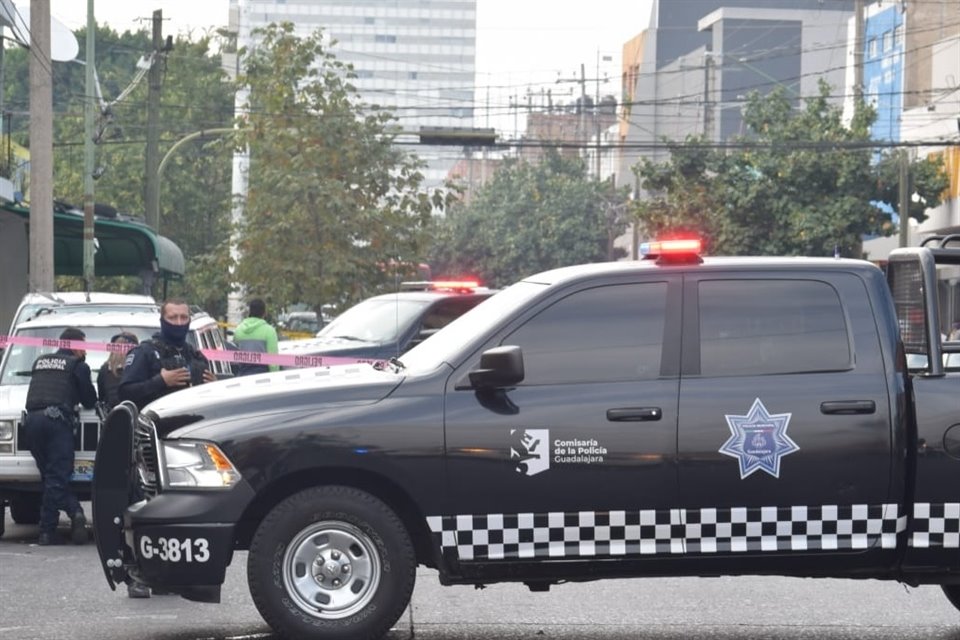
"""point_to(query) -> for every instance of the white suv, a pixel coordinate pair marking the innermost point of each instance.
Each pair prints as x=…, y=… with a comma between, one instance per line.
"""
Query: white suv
x=19, y=477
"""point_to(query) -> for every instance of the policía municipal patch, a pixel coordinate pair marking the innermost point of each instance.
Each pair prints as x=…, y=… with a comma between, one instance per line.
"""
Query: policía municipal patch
x=759, y=440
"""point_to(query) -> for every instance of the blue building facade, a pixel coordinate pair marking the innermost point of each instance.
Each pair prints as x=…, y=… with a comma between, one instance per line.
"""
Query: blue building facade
x=883, y=56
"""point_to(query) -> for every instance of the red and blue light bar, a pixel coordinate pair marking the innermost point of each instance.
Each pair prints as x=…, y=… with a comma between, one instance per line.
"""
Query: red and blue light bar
x=677, y=250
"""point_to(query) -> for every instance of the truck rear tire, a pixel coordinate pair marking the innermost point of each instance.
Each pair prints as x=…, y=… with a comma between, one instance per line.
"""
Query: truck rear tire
x=3, y=518
x=952, y=592
x=331, y=563
x=25, y=508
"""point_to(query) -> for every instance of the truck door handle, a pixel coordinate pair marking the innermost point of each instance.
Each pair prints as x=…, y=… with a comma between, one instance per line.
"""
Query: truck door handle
x=634, y=414
x=847, y=407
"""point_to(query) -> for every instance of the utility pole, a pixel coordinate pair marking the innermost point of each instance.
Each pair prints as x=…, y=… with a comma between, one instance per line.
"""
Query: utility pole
x=707, y=92
x=241, y=166
x=583, y=104
x=151, y=196
x=904, y=207
x=596, y=114
x=89, y=161
x=41, y=149
x=858, y=51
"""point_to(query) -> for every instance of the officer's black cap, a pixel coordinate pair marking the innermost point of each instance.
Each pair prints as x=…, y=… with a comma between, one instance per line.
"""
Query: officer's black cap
x=72, y=333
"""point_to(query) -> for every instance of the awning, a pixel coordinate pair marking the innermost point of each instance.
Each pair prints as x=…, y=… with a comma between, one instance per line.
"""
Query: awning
x=124, y=246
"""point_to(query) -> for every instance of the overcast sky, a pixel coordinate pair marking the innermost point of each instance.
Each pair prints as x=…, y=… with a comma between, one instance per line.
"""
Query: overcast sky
x=521, y=44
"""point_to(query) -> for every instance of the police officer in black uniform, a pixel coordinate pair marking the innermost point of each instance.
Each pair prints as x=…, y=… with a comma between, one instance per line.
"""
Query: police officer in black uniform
x=59, y=381
x=162, y=365
x=165, y=363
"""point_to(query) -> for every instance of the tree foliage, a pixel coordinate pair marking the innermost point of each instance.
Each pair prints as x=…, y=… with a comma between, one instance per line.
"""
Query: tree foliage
x=195, y=187
x=807, y=185
x=332, y=204
x=928, y=181
x=530, y=217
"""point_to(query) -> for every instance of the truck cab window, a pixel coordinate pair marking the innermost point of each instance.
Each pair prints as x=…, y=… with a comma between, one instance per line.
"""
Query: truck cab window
x=763, y=327
x=603, y=334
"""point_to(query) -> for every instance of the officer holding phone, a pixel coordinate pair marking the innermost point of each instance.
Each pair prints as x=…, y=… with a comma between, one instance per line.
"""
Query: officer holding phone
x=165, y=363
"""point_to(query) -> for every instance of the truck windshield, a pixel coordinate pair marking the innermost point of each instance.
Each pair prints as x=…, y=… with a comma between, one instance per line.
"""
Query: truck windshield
x=375, y=320
x=18, y=360
x=463, y=334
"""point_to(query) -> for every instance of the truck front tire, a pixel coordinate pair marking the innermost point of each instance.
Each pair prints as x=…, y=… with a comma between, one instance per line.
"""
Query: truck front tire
x=952, y=592
x=332, y=563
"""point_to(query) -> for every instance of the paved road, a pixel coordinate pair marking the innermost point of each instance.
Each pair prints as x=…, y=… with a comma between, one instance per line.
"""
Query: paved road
x=51, y=593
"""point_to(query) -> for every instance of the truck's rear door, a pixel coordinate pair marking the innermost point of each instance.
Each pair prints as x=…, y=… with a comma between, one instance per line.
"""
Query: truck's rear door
x=784, y=434
x=924, y=287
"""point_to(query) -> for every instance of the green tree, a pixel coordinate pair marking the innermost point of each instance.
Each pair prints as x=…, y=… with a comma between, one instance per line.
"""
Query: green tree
x=802, y=184
x=195, y=190
x=530, y=217
x=928, y=180
x=333, y=205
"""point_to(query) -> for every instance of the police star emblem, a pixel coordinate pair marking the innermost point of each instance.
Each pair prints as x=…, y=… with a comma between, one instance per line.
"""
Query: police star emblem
x=759, y=440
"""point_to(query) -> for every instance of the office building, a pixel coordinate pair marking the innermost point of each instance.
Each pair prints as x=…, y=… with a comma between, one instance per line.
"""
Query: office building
x=415, y=58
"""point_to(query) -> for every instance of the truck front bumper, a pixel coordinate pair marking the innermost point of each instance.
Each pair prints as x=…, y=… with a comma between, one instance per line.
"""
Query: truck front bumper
x=183, y=542
x=177, y=540
x=166, y=543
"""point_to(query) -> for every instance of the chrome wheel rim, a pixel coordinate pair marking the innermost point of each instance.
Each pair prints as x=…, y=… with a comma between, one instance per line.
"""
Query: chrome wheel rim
x=331, y=570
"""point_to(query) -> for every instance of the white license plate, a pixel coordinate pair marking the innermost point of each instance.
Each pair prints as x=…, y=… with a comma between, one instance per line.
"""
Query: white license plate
x=82, y=470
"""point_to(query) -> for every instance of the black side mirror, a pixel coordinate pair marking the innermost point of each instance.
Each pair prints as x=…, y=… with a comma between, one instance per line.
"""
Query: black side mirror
x=500, y=367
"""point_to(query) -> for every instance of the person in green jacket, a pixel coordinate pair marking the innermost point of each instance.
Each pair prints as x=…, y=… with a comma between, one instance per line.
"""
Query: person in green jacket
x=255, y=334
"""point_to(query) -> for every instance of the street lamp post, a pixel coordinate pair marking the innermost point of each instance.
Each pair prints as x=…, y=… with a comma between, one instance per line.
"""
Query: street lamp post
x=203, y=133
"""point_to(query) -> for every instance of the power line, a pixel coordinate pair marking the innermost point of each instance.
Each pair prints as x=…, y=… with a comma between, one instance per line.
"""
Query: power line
x=786, y=146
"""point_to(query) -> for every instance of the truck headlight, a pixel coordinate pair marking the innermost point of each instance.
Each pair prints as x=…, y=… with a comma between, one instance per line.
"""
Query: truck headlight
x=192, y=463
x=6, y=430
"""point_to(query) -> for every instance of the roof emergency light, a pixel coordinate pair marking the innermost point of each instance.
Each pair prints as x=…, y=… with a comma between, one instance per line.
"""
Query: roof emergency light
x=673, y=251
x=455, y=285
x=460, y=286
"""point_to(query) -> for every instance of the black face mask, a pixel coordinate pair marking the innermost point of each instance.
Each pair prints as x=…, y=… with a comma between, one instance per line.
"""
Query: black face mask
x=175, y=334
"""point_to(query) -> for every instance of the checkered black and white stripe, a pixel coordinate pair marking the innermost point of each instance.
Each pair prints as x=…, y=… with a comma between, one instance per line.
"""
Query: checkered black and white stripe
x=936, y=525
x=673, y=531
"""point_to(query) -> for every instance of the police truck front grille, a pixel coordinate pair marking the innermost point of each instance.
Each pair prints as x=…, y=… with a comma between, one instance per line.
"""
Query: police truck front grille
x=145, y=461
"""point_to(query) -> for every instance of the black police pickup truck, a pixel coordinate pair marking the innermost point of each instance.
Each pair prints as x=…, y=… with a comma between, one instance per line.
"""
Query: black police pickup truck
x=677, y=415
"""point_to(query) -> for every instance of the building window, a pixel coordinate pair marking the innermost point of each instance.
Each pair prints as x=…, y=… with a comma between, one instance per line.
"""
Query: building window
x=380, y=37
x=887, y=41
x=898, y=36
x=872, y=48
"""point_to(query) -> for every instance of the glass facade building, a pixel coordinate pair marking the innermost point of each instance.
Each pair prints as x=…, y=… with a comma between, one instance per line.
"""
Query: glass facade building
x=416, y=58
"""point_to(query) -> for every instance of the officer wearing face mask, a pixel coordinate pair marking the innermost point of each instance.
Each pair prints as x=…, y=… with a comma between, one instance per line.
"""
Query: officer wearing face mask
x=165, y=363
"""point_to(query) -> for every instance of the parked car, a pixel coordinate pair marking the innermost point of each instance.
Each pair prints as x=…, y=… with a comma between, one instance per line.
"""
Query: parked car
x=388, y=325
x=19, y=478
x=300, y=322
